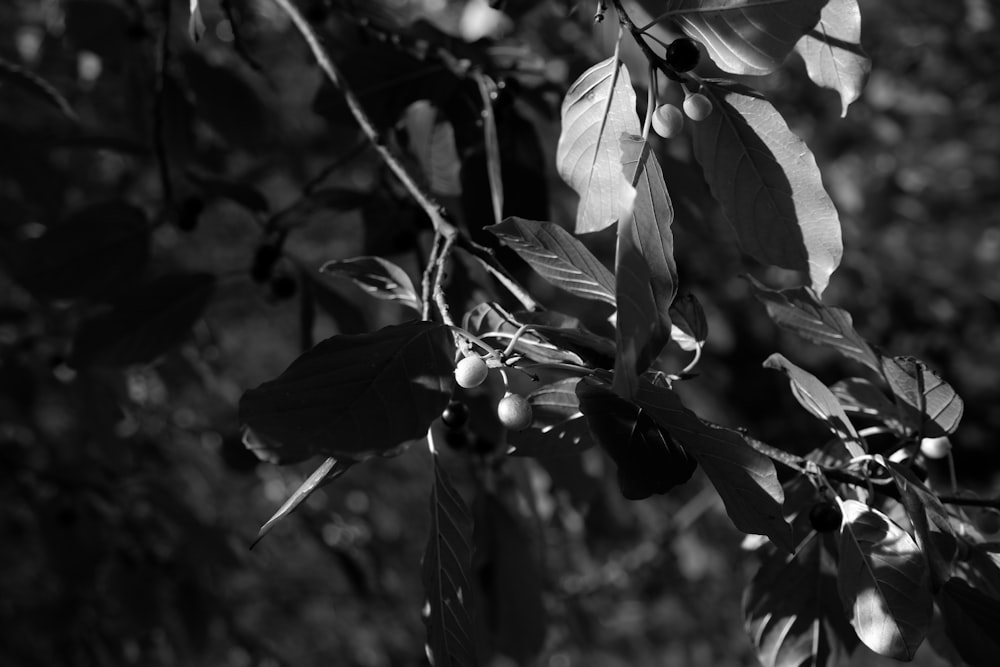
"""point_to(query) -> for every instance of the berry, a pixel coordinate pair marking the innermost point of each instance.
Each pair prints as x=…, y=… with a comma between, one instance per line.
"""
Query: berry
x=263, y=262
x=697, y=107
x=514, y=412
x=668, y=121
x=456, y=415
x=825, y=516
x=682, y=55
x=935, y=448
x=471, y=372
x=283, y=286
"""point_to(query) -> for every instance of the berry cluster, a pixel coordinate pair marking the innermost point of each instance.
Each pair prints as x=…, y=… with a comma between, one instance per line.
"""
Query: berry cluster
x=513, y=410
x=682, y=55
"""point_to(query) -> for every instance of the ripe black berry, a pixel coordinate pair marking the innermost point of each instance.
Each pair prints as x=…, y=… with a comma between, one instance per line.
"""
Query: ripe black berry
x=456, y=415
x=283, y=286
x=263, y=262
x=825, y=516
x=682, y=55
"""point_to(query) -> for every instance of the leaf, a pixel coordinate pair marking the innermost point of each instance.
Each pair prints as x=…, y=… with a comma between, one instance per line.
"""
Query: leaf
x=558, y=428
x=644, y=268
x=96, y=252
x=589, y=157
x=227, y=102
x=742, y=36
x=649, y=461
x=445, y=566
x=432, y=141
x=833, y=54
x=799, y=310
x=883, y=582
x=144, y=324
x=815, y=397
x=196, y=24
x=328, y=471
x=379, y=277
x=37, y=86
x=971, y=620
x=689, y=329
x=349, y=318
x=864, y=398
x=935, y=407
x=558, y=257
x=352, y=397
x=488, y=319
x=745, y=479
x=767, y=182
x=925, y=511
x=792, y=610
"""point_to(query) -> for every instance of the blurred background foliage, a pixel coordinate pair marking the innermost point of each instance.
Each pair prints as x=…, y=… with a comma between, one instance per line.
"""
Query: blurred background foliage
x=127, y=500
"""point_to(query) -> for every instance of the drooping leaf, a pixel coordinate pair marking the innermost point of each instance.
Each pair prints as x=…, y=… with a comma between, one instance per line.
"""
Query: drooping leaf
x=862, y=397
x=445, y=568
x=35, y=85
x=196, y=24
x=145, y=323
x=767, y=182
x=649, y=460
x=883, y=582
x=589, y=156
x=377, y=276
x=227, y=102
x=932, y=405
x=800, y=311
x=926, y=514
x=689, y=329
x=817, y=398
x=792, y=610
x=96, y=252
x=352, y=397
x=558, y=428
x=558, y=257
x=833, y=54
x=745, y=479
x=645, y=271
x=971, y=620
x=742, y=36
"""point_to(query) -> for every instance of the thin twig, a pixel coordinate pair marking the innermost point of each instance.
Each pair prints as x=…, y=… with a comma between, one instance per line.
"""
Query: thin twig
x=427, y=283
x=439, y=296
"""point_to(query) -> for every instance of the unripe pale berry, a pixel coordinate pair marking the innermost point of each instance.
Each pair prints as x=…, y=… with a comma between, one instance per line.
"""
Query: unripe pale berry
x=668, y=121
x=935, y=448
x=471, y=372
x=514, y=412
x=697, y=107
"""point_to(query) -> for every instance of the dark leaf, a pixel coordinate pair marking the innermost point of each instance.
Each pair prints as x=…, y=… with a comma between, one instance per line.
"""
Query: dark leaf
x=143, y=324
x=432, y=140
x=934, y=407
x=98, y=26
x=558, y=428
x=349, y=318
x=378, y=277
x=745, y=479
x=35, y=85
x=598, y=110
x=644, y=268
x=649, y=461
x=799, y=310
x=926, y=514
x=971, y=620
x=352, y=397
x=767, y=182
x=445, y=567
x=833, y=54
x=227, y=102
x=558, y=257
x=689, y=329
x=883, y=582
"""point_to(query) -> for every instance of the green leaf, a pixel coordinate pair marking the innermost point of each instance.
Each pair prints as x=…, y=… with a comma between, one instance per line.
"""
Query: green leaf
x=35, y=85
x=558, y=257
x=689, y=329
x=446, y=563
x=833, y=54
x=589, y=157
x=745, y=479
x=800, y=311
x=933, y=406
x=792, y=610
x=142, y=325
x=817, y=398
x=649, y=461
x=742, y=36
x=352, y=397
x=883, y=582
x=971, y=620
x=378, y=277
x=558, y=428
x=768, y=184
x=644, y=268
x=861, y=396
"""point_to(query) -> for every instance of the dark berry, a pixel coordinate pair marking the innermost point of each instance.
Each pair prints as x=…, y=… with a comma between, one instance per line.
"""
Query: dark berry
x=283, y=286
x=456, y=415
x=825, y=516
x=263, y=262
x=683, y=55
x=188, y=213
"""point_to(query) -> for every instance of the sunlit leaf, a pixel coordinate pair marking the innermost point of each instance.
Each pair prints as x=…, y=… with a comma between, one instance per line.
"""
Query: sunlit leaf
x=768, y=184
x=933, y=406
x=558, y=257
x=862, y=397
x=883, y=582
x=689, y=329
x=445, y=567
x=833, y=54
x=558, y=428
x=589, y=156
x=352, y=397
x=644, y=268
x=971, y=620
x=378, y=277
x=196, y=24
